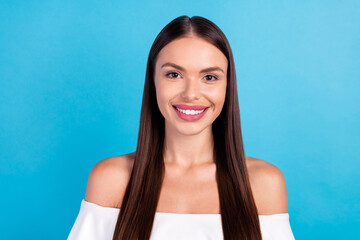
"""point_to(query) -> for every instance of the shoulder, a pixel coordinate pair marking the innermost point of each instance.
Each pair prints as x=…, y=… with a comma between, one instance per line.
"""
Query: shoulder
x=268, y=186
x=108, y=179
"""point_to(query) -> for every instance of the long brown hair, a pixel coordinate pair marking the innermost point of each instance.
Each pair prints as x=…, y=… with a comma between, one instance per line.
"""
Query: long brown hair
x=238, y=210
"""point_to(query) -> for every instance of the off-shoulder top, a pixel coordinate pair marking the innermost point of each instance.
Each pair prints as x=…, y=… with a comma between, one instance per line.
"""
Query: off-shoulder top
x=95, y=222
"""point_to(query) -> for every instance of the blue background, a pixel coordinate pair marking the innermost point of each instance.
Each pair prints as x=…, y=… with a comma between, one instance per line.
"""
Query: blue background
x=71, y=83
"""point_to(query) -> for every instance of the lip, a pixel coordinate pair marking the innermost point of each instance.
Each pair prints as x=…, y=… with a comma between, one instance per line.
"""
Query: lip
x=189, y=107
x=187, y=117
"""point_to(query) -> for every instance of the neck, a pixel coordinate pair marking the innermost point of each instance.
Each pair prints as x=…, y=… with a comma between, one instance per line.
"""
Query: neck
x=187, y=151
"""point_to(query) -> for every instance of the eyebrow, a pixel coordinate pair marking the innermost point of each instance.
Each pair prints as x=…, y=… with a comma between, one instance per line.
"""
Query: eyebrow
x=209, y=69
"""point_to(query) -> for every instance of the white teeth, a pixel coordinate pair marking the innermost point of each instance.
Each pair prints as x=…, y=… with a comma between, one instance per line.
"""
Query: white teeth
x=190, y=112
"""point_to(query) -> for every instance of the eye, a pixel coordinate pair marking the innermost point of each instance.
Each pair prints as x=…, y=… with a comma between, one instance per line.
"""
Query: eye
x=213, y=77
x=172, y=74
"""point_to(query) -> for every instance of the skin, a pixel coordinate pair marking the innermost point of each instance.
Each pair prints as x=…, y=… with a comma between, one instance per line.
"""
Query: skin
x=189, y=183
x=188, y=143
x=189, y=164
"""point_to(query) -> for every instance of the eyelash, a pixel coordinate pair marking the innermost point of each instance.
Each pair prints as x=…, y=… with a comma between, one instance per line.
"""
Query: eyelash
x=214, y=77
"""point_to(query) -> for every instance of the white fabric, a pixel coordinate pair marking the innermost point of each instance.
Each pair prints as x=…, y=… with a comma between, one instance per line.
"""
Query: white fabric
x=95, y=222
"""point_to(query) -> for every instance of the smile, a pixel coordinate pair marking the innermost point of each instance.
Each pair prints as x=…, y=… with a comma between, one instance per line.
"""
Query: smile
x=190, y=113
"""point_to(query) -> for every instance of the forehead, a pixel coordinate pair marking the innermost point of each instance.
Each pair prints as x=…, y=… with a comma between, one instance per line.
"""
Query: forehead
x=192, y=53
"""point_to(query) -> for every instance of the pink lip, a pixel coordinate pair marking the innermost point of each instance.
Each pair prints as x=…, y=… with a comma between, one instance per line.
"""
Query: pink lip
x=187, y=117
x=188, y=107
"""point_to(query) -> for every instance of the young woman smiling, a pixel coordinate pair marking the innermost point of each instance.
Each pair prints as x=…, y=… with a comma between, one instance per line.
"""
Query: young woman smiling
x=189, y=177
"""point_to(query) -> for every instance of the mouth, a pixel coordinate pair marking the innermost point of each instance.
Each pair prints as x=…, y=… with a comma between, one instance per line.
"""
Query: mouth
x=190, y=113
x=190, y=110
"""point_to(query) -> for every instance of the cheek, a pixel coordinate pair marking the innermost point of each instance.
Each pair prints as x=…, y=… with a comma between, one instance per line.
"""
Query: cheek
x=218, y=99
x=222, y=92
x=217, y=96
x=164, y=94
x=220, y=103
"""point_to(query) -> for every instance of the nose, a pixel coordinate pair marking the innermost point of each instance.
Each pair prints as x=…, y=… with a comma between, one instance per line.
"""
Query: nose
x=191, y=90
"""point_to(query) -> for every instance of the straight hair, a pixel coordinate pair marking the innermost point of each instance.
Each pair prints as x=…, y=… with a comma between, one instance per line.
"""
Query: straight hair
x=239, y=214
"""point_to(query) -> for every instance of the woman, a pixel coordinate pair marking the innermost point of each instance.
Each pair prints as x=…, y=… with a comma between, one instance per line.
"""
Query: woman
x=189, y=177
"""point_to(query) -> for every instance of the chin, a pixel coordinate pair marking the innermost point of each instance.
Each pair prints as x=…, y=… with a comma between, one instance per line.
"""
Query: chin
x=190, y=130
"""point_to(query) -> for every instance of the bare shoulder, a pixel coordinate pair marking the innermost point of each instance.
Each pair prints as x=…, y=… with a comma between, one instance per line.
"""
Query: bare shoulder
x=108, y=179
x=268, y=186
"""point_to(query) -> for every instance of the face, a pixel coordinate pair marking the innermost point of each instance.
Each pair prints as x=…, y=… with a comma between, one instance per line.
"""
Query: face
x=190, y=81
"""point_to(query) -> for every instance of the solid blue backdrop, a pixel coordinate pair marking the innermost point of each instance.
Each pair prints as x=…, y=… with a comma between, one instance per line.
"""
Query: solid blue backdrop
x=72, y=75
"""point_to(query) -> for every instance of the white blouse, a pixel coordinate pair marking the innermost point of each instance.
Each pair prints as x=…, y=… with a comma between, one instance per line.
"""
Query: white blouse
x=95, y=222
